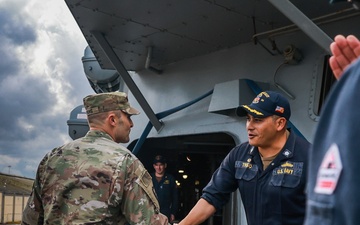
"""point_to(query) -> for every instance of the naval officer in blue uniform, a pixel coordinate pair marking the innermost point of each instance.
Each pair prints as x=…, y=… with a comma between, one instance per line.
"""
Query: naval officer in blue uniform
x=269, y=170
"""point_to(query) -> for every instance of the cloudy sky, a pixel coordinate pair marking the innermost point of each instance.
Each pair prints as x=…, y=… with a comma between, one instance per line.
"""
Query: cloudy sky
x=41, y=80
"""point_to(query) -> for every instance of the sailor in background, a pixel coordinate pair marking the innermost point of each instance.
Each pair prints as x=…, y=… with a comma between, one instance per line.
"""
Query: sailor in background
x=165, y=188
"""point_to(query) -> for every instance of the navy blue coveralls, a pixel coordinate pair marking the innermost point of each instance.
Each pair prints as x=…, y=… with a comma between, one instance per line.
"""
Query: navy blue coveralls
x=167, y=194
x=333, y=191
x=272, y=196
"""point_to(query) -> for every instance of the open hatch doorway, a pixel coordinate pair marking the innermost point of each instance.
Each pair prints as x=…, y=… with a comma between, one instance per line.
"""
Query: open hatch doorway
x=191, y=159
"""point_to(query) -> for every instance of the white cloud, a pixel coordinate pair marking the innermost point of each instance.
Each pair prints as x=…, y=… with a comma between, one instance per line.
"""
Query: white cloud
x=41, y=79
x=6, y=161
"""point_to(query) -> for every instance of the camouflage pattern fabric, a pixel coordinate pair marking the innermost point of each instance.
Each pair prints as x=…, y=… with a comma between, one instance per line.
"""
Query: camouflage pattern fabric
x=92, y=180
x=105, y=102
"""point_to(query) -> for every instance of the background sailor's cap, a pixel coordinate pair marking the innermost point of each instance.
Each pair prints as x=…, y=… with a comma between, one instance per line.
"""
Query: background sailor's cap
x=160, y=159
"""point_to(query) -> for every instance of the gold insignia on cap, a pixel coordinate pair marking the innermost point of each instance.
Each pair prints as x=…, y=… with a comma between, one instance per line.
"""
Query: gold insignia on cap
x=253, y=110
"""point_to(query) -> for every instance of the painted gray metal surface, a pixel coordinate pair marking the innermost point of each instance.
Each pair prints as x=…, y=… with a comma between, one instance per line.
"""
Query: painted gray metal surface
x=103, y=43
x=178, y=30
x=306, y=25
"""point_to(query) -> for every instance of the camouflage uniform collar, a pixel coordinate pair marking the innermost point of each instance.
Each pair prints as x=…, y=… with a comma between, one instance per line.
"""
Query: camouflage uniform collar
x=98, y=134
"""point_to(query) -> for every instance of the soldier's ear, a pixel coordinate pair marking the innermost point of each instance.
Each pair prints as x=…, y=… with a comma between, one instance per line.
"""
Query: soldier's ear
x=111, y=118
x=165, y=165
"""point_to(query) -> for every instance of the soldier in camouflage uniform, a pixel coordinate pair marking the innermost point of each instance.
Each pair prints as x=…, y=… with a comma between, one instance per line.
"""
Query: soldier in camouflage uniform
x=94, y=180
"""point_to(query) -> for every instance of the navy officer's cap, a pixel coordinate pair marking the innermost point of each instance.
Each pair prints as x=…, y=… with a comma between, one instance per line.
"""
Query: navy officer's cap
x=265, y=104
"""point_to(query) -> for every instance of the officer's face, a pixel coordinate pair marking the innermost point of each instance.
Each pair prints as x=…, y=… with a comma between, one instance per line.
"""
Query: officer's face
x=261, y=131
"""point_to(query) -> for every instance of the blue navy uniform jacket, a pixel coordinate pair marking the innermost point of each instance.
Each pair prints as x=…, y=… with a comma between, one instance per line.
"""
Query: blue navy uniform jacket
x=334, y=180
x=271, y=197
x=167, y=194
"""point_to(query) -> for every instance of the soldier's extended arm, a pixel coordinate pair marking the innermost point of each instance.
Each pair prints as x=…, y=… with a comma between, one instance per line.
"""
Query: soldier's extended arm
x=139, y=203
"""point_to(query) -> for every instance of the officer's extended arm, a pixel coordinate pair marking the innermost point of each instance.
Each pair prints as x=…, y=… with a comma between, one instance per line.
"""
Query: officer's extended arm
x=199, y=213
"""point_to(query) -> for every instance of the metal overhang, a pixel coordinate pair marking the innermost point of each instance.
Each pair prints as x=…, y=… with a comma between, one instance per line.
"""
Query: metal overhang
x=121, y=33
